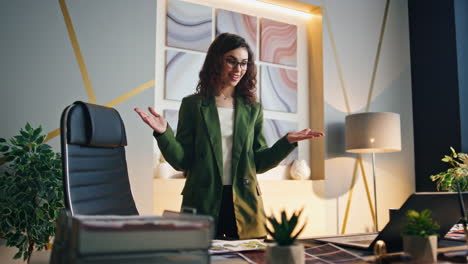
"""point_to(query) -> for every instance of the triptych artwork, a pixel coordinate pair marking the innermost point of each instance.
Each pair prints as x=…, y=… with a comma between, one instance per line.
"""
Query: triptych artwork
x=181, y=73
x=188, y=26
x=188, y=36
x=239, y=24
x=278, y=42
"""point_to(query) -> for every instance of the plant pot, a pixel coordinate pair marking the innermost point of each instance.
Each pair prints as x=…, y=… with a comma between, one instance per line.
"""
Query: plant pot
x=7, y=253
x=37, y=257
x=421, y=249
x=293, y=254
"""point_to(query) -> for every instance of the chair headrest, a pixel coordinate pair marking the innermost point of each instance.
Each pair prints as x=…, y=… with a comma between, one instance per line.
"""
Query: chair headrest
x=95, y=125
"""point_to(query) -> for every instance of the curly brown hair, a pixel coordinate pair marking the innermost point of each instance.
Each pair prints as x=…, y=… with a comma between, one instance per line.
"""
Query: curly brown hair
x=209, y=83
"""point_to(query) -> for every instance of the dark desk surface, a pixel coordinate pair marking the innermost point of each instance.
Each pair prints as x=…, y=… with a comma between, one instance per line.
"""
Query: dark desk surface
x=449, y=252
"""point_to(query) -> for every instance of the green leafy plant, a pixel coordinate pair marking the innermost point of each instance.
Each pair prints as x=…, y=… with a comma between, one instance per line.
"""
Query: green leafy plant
x=420, y=224
x=283, y=229
x=31, y=192
x=447, y=180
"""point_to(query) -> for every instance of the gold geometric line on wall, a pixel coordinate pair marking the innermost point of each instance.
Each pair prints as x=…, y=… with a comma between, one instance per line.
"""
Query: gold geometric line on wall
x=77, y=51
x=52, y=134
x=337, y=59
x=112, y=103
x=371, y=88
x=130, y=94
x=377, y=56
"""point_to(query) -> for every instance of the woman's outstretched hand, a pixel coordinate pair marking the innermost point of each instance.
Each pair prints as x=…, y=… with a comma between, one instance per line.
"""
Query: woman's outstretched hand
x=155, y=120
x=296, y=136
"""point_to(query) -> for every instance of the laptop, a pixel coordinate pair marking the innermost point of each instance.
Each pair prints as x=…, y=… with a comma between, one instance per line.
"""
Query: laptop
x=445, y=209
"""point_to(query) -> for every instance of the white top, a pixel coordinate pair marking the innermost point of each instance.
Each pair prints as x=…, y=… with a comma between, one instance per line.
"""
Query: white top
x=226, y=121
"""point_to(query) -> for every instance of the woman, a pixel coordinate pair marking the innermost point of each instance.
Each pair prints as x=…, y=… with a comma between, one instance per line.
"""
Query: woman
x=220, y=143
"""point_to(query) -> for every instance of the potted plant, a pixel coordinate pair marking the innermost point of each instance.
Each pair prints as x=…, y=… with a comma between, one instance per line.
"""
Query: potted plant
x=420, y=236
x=284, y=234
x=31, y=191
x=447, y=180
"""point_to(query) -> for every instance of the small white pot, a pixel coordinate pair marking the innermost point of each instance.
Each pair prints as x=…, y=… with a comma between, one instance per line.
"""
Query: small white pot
x=421, y=249
x=293, y=254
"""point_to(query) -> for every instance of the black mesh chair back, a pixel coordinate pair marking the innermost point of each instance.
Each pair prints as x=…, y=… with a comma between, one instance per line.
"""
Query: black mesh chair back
x=95, y=173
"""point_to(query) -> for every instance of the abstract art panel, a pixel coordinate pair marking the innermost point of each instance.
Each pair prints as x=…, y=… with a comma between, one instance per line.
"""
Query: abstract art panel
x=276, y=129
x=181, y=74
x=279, y=89
x=189, y=25
x=172, y=117
x=278, y=42
x=240, y=24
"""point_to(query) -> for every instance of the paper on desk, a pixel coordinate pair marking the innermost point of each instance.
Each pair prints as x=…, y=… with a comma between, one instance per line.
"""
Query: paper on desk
x=224, y=246
x=456, y=233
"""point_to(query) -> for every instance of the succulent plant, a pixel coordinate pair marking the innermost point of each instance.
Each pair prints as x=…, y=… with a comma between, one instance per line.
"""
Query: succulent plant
x=420, y=224
x=283, y=229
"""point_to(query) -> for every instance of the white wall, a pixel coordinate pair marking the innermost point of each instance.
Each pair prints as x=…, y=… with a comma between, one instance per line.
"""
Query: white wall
x=355, y=27
x=39, y=76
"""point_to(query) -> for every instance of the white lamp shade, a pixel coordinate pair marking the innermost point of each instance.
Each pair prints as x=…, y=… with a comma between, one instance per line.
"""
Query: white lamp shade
x=373, y=132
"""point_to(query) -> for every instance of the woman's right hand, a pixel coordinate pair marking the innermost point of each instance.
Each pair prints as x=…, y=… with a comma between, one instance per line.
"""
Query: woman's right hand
x=155, y=120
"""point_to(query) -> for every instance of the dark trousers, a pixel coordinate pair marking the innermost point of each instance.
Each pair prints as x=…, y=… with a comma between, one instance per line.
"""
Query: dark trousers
x=227, y=228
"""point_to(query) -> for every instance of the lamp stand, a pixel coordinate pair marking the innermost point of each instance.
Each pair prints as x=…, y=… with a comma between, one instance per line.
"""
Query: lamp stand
x=375, y=194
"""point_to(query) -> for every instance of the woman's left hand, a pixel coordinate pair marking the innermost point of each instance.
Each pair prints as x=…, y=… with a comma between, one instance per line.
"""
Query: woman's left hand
x=307, y=133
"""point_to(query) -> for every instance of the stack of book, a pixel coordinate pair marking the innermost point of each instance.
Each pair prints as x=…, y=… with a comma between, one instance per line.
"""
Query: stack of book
x=132, y=239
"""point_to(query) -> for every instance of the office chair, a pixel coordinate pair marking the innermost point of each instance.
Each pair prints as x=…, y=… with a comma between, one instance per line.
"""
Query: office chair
x=95, y=173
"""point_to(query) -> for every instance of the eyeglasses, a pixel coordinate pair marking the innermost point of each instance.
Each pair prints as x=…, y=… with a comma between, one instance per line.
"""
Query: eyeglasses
x=233, y=63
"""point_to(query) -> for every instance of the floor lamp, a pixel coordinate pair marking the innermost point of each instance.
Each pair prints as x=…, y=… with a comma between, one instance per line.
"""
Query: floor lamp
x=373, y=132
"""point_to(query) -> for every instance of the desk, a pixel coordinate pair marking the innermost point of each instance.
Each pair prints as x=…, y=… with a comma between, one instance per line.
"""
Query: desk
x=445, y=246
x=42, y=257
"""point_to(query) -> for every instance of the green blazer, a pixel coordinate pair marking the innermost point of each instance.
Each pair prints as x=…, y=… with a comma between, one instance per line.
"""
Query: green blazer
x=197, y=150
